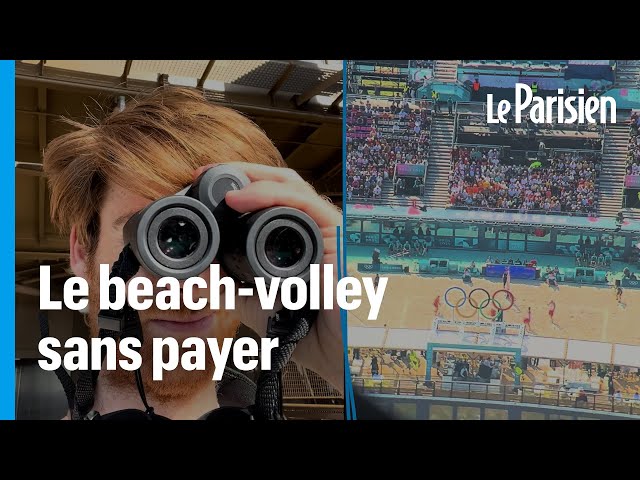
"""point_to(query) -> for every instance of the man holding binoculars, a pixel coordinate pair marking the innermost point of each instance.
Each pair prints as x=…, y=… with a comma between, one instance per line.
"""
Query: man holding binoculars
x=137, y=179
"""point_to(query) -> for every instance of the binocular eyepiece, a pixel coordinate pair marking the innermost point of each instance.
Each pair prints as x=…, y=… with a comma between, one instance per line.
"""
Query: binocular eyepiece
x=182, y=234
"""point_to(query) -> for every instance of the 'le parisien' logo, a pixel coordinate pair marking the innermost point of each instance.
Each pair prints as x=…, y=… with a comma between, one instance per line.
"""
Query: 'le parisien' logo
x=570, y=109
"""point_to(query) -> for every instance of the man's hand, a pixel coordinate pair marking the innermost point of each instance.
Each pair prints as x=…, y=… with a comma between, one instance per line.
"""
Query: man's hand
x=321, y=350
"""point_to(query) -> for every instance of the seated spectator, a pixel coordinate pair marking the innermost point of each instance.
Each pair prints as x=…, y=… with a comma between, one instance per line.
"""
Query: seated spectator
x=481, y=179
x=379, y=135
x=581, y=398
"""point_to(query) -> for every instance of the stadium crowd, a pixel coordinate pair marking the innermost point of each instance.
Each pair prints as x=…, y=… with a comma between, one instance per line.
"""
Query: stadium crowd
x=480, y=178
x=633, y=157
x=378, y=137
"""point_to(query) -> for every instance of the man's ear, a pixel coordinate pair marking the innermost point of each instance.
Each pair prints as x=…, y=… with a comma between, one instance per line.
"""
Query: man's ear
x=77, y=255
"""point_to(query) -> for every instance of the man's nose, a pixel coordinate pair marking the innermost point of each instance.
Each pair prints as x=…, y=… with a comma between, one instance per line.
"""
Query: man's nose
x=161, y=284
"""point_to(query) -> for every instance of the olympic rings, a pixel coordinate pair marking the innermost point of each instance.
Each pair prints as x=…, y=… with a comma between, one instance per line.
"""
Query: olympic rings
x=498, y=308
x=457, y=309
x=471, y=302
x=509, y=294
x=490, y=299
x=464, y=298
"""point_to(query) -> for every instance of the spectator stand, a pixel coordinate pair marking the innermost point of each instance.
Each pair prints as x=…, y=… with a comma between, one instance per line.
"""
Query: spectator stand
x=503, y=180
x=380, y=133
x=632, y=165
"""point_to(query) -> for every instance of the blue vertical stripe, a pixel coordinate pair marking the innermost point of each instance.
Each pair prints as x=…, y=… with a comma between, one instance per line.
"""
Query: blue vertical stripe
x=343, y=317
x=7, y=268
x=349, y=400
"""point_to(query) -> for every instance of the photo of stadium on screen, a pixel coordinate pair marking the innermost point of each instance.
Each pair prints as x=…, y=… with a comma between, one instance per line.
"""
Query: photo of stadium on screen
x=512, y=249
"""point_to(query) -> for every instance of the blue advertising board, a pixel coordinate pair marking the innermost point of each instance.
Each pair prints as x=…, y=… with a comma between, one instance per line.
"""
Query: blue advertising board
x=629, y=283
x=517, y=271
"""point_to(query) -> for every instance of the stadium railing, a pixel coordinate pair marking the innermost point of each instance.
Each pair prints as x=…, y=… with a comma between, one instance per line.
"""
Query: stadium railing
x=353, y=97
x=528, y=212
x=536, y=395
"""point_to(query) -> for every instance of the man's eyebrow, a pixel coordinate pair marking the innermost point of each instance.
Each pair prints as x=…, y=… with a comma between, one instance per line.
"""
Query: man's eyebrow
x=122, y=219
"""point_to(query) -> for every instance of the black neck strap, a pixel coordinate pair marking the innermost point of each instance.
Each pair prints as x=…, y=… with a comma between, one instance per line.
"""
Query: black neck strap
x=289, y=327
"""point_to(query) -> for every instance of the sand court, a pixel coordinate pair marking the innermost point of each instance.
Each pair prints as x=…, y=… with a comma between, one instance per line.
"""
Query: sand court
x=582, y=312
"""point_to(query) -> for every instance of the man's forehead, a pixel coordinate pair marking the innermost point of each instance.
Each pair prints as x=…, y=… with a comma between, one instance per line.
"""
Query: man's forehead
x=120, y=203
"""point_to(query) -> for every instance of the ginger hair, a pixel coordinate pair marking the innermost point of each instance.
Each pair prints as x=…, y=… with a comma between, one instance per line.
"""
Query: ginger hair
x=151, y=147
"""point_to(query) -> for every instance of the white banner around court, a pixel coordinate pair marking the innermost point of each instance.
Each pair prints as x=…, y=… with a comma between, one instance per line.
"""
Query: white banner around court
x=626, y=355
x=585, y=351
x=407, y=338
x=543, y=347
x=366, y=336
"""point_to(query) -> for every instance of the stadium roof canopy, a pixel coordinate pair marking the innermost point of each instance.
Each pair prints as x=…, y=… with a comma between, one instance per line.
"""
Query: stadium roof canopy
x=298, y=103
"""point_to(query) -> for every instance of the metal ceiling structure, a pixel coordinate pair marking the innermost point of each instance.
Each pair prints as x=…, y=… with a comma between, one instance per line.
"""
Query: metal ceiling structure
x=298, y=103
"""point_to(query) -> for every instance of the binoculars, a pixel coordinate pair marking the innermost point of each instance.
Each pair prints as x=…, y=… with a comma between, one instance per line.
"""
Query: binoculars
x=181, y=235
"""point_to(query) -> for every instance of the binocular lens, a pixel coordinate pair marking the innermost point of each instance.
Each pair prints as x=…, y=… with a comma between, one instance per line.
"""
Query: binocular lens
x=175, y=236
x=181, y=235
x=284, y=247
x=178, y=237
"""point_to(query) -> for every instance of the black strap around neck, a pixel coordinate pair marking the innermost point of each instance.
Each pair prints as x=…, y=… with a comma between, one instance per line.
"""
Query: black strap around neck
x=113, y=324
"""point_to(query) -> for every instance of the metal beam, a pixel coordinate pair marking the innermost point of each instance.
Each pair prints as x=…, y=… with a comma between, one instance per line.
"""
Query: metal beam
x=25, y=143
x=24, y=254
x=55, y=276
x=37, y=167
x=304, y=97
x=206, y=73
x=334, y=105
x=302, y=144
x=42, y=143
x=281, y=80
x=331, y=171
x=125, y=73
x=94, y=84
x=33, y=292
x=29, y=173
x=30, y=271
